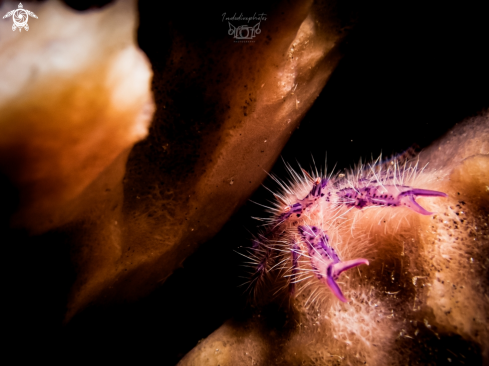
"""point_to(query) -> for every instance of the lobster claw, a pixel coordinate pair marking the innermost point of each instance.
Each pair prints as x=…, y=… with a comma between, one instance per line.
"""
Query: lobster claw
x=408, y=199
x=335, y=269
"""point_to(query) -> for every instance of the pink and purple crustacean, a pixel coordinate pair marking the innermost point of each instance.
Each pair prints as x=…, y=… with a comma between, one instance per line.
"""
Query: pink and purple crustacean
x=324, y=261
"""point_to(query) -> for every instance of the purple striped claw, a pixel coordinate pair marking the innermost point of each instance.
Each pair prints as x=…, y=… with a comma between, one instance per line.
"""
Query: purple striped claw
x=324, y=259
x=386, y=195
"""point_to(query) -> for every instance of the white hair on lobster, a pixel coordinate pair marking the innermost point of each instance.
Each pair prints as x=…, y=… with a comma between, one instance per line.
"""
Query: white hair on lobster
x=311, y=236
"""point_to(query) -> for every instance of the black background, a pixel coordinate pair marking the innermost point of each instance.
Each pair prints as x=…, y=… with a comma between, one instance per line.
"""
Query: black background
x=410, y=72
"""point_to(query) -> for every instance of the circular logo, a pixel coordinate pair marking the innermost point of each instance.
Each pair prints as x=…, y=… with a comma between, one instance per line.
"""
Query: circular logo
x=20, y=17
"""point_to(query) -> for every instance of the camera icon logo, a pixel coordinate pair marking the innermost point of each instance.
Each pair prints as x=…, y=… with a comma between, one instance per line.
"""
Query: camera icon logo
x=244, y=31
